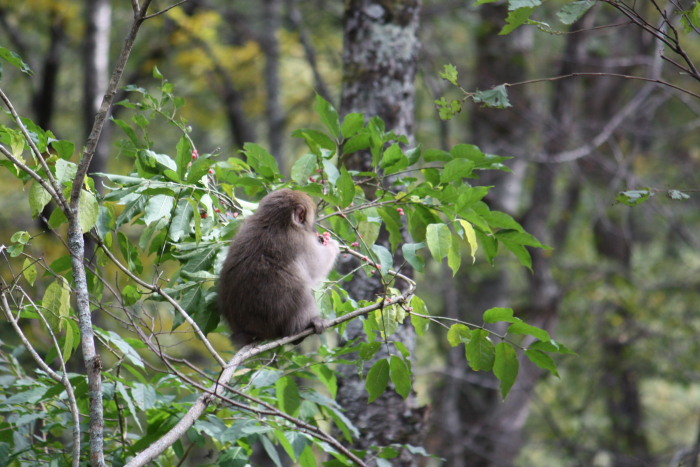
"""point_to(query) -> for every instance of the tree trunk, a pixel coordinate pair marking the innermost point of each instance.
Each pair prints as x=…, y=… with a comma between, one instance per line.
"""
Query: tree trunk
x=379, y=66
x=96, y=53
x=272, y=11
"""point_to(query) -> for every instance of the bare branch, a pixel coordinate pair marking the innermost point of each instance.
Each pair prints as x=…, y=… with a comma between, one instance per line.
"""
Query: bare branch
x=614, y=75
x=164, y=10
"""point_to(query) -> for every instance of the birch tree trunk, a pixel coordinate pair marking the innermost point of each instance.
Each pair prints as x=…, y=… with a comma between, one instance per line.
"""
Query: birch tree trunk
x=96, y=54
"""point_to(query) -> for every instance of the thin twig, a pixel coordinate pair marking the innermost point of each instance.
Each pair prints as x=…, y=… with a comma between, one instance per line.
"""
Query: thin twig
x=614, y=75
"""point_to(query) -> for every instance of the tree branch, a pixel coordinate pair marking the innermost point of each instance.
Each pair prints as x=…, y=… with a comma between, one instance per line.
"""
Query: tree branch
x=244, y=354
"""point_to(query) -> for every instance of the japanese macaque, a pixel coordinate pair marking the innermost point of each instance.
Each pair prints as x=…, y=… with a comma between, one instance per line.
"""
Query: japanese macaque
x=265, y=286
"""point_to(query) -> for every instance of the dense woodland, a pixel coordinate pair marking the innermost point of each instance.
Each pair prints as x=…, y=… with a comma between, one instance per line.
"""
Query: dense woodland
x=514, y=184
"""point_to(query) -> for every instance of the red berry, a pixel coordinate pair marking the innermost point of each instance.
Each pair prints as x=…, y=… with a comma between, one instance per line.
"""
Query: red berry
x=354, y=244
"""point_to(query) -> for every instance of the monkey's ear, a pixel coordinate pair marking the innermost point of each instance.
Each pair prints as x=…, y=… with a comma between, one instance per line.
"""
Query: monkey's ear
x=299, y=214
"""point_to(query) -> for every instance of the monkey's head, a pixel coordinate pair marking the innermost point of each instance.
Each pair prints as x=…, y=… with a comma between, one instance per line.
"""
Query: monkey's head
x=286, y=209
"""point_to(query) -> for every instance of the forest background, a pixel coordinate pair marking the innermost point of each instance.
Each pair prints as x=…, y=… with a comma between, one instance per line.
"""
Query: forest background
x=602, y=132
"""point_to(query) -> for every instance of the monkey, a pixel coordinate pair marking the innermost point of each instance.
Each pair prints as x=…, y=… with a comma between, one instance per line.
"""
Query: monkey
x=275, y=260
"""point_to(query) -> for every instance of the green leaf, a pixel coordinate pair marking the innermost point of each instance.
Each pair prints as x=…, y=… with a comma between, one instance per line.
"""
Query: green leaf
x=56, y=303
x=571, y=12
x=15, y=60
x=304, y=168
x=64, y=149
x=38, y=199
x=439, y=239
x=57, y=218
x=369, y=231
x=70, y=340
x=89, y=211
x=448, y=109
x=392, y=222
x=470, y=237
x=506, y=366
x=516, y=18
x=307, y=458
x=454, y=256
x=158, y=207
x=419, y=323
x=520, y=252
x=450, y=74
x=400, y=376
x=409, y=254
x=542, y=360
x=356, y=143
x=377, y=379
x=521, y=327
x=369, y=350
x=456, y=170
x=21, y=236
x=329, y=116
x=118, y=341
x=520, y=238
x=29, y=271
x=634, y=197
x=495, y=98
x=352, y=124
x=288, y=397
x=384, y=259
x=495, y=315
x=393, y=156
x=183, y=156
x=518, y=4
x=480, y=351
x=180, y=226
x=436, y=155
x=65, y=171
x=261, y=160
x=346, y=187
x=130, y=294
x=690, y=18
x=459, y=333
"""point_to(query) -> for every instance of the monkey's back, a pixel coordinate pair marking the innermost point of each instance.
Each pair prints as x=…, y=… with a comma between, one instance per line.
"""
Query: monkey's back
x=262, y=294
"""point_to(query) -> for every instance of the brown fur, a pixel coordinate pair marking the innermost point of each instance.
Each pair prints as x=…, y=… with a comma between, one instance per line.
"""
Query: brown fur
x=265, y=286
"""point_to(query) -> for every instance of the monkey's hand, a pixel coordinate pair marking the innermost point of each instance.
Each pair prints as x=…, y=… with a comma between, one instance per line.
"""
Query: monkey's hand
x=318, y=324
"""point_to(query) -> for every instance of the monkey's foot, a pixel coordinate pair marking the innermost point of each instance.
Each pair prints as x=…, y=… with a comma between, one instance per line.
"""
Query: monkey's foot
x=318, y=324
